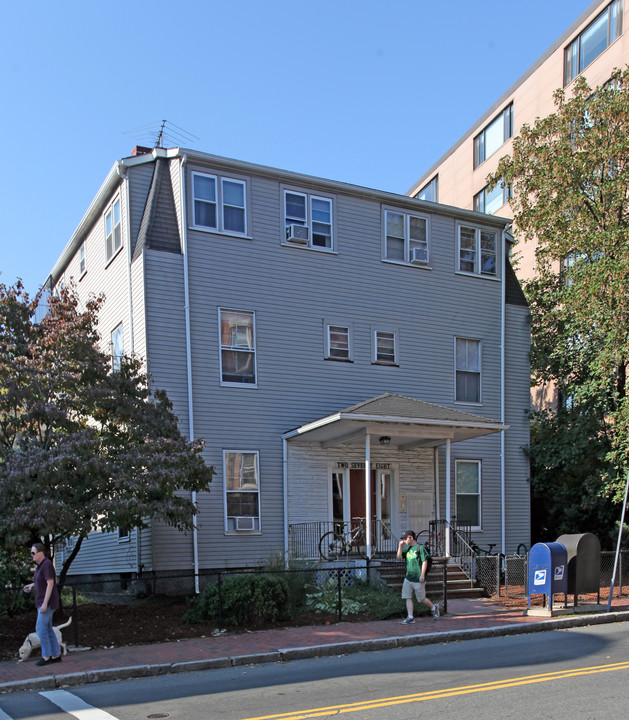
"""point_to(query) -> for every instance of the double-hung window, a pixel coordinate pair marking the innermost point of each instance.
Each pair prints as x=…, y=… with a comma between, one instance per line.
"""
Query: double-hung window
x=490, y=201
x=82, y=260
x=238, y=349
x=406, y=238
x=467, y=370
x=338, y=342
x=308, y=220
x=494, y=136
x=219, y=203
x=385, y=347
x=117, y=348
x=468, y=492
x=242, y=490
x=113, y=230
x=593, y=41
x=477, y=251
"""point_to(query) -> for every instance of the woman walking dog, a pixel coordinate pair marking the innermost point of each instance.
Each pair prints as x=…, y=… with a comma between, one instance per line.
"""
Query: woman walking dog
x=46, y=601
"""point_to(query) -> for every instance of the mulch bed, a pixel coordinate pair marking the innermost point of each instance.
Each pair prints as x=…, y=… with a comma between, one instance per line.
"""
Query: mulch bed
x=136, y=623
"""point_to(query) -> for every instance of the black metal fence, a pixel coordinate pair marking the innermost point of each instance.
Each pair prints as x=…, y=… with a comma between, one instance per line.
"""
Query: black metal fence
x=151, y=608
x=507, y=575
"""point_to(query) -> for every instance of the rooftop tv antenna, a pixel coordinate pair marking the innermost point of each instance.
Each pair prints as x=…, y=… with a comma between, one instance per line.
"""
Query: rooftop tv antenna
x=160, y=133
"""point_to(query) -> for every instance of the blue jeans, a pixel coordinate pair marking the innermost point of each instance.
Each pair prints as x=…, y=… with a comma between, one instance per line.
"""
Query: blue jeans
x=43, y=627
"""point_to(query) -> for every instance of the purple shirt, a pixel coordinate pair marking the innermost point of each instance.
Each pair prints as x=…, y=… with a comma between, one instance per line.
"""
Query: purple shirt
x=45, y=571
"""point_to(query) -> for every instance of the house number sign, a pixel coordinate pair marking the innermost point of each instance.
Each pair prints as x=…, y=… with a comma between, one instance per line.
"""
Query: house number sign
x=361, y=465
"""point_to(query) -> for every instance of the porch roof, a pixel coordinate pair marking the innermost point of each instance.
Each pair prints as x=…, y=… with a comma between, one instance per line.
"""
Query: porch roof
x=405, y=421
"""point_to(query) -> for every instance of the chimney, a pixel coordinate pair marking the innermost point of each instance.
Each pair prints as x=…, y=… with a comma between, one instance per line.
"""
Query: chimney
x=140, y=150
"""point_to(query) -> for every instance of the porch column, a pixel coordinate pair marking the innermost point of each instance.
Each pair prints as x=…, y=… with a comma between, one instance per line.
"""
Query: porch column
x=368, y=492
x=448, y=513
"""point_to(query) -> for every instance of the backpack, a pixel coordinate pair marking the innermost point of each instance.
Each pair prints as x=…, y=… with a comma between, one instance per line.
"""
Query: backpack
x=428, y=559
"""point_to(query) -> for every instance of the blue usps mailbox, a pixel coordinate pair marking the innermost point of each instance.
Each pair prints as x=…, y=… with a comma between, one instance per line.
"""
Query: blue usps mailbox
x=548, y=571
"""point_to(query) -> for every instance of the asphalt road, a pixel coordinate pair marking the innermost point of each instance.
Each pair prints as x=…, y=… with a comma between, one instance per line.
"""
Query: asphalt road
x=577, y=674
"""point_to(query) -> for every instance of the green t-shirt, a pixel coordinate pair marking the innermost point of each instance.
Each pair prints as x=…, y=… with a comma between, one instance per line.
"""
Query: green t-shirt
x=415, y=557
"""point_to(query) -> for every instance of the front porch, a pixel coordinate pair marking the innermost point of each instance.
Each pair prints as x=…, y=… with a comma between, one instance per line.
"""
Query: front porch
x=384, y=464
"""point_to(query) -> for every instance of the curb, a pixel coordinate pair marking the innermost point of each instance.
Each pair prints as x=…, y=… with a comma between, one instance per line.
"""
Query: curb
x=300, y=653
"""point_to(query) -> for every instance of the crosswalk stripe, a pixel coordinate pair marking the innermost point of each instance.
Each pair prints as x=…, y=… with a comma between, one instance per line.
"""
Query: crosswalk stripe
x=75, y=706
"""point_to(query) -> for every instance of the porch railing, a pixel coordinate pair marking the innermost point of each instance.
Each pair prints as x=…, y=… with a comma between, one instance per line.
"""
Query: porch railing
x=304, y=538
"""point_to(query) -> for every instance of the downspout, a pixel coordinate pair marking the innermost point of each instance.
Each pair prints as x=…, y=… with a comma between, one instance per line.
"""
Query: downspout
x=368, y=492
x=123, y=172
x=437, y=484
x=502, y=397
x=186, y=291
x=285, y=495
x=448, y=499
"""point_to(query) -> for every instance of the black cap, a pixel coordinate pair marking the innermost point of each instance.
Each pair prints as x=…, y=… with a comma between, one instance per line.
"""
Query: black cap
x=406, y=533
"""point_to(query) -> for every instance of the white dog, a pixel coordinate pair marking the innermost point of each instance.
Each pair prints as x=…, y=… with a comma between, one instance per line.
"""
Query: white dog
x=32, y=641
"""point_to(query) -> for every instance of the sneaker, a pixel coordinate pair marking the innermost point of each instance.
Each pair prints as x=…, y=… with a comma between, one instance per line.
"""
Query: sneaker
x=43, y=661
x=55, y=659
x=408, y=621
x=435, y=611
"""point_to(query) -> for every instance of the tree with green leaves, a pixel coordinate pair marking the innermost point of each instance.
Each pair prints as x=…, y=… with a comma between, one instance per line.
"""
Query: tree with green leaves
x=82, y=447
x=569, y=174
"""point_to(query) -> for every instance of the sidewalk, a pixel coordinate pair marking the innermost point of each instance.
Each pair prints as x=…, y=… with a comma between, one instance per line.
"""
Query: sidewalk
x=466, y=619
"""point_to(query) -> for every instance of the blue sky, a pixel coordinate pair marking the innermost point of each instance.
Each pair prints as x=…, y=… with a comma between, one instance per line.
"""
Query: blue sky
x=369, y=92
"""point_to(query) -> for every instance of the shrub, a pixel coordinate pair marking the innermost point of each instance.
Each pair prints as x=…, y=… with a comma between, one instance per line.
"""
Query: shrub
x=247, y=600
x=15, y=571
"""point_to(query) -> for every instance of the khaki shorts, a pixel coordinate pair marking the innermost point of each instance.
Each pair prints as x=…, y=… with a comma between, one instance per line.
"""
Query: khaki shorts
x=408, y=588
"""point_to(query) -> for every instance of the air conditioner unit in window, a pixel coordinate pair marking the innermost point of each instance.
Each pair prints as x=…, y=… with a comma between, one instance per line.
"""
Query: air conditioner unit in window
x=419, y=256
x=245, y=523
x=297, y=234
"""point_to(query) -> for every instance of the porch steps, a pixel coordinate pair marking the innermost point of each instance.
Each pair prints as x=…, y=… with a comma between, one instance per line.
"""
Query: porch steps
x=458, y=583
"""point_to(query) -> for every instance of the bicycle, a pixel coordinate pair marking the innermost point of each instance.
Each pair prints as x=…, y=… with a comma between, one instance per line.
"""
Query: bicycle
x=487, y=551
x=334, y=544
x=432, y=540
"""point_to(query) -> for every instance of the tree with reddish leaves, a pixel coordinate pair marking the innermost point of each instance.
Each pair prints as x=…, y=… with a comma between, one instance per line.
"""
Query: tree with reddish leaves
x=83, y=448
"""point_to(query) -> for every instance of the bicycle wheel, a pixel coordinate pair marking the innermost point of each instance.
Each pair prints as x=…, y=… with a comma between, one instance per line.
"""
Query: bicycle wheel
x=331, y=546
x=360, y=544
x=423, y=538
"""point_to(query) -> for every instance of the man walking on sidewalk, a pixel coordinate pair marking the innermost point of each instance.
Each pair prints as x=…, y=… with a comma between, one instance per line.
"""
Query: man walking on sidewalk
x=416, y=557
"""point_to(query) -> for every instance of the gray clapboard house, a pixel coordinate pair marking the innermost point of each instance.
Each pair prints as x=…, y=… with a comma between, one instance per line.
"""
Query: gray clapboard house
x=323, y=339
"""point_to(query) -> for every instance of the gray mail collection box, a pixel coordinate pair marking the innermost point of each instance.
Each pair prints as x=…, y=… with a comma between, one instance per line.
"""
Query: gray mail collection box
x=548, y=571
x=584, y=564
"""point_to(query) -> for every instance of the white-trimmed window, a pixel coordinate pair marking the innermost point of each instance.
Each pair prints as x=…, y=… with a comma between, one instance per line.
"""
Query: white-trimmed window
x=468, y=492
x=238, y=347
x=490, y=201
x=113, y=230
x=478, y=250
x=385, y=347
x=82, y=260
x=467, y=370
x=219, y=203
x=405, y=237
x=123, y=534
x=242, y=490
x=430, y=191
x=117, y=348
x=338, y=341
x=308, y=220
x=593, y=41
x=494, y=136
